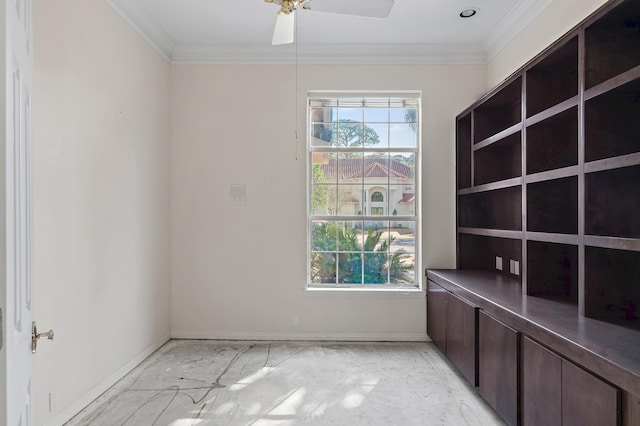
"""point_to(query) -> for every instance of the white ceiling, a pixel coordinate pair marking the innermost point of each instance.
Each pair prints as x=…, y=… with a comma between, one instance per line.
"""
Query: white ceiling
x=417, y=31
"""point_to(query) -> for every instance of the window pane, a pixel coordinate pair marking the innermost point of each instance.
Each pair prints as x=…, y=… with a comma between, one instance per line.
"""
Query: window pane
x=404, y=203
x=376, y=237
x=323, y=114
x=350, y=236
x=402, y=269
x=324, y=235
x=323, y=199
x=376, y=115
x=350, y=168
x=403, y=236
x=323, y=268
x=403, y=115
x=350, y=114
x=323, y=134
x=323, y=168
x=375, y=268
x=376, y=169
x=350, y=268
x=376, y=135
x=378, y=201
x=403, y=135
x=349, y=134
x=402, y=248
x=403, y=166
x=349, y=201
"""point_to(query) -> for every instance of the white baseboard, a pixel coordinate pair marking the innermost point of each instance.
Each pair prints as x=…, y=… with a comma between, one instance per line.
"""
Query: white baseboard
x=86, y=399
x=310, y=336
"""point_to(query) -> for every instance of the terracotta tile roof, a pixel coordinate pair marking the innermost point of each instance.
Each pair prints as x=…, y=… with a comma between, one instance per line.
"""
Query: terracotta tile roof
x=373, y=168
x=407, y=198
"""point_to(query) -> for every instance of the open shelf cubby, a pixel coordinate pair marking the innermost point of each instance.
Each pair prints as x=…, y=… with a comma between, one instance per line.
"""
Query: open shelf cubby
x=553, y=79
x=552, y=271
x=463, y=136
x=479, y=252
x=612, y=43
x=498, y=209
x=612, y=127
x=553, y=143
x=552, y=206
x=613, y=203
x=499, y=161
x=612, y=287
x=499, y=112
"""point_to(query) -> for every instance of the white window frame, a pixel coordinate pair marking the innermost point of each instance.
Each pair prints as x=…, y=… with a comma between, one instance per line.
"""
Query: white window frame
x=417, y=286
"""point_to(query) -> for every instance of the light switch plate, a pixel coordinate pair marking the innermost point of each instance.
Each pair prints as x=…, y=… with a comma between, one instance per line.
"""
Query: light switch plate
x=238, y=194
x=498, y=263
x=516, y=267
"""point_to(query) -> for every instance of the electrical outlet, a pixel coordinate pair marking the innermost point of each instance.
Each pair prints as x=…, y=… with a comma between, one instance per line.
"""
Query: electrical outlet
x=295, y=322
x=516, y=267
x=52, y=401
x=498, y=263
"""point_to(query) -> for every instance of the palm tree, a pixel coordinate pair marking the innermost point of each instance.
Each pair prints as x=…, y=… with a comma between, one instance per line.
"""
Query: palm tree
x=356, y=263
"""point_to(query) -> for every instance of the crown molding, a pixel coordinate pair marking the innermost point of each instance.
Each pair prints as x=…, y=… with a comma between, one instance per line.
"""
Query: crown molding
x=144, y=24
x=332, y=54
x=515, y=21
x=519, y=17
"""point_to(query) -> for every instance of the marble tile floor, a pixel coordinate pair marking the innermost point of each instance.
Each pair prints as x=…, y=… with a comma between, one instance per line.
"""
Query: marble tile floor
x=198, y=383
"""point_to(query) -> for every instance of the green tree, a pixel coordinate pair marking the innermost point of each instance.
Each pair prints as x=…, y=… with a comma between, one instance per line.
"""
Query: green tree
x=319, y=192
x=409, y=161
x=411, y=117
x=379, y=264
x=350, y=133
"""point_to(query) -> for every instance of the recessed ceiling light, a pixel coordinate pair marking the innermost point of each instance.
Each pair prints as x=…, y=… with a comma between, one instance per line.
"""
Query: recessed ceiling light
x=468, y=13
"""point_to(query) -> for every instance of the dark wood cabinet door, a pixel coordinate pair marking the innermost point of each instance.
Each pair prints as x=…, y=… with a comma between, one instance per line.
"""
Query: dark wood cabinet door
x=498, y=366
x=437, y=315
x=461, y=337
x=541, y=385
x=631, y=409
x=587, y=400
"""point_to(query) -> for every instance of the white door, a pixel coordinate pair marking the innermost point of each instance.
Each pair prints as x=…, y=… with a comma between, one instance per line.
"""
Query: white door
x=15, y=213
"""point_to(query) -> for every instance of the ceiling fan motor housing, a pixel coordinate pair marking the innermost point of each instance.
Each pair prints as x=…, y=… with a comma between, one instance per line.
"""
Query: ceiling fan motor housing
x=287, y=6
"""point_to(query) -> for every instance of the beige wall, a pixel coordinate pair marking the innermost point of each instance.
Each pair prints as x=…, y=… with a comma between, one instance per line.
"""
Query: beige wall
x=239, y=271
x=107, y=106
x=101, y=202
x=558, y=18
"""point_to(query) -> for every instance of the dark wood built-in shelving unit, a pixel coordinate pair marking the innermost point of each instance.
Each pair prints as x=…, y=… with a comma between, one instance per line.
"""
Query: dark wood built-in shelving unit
x=571, y=134
x=548, y=199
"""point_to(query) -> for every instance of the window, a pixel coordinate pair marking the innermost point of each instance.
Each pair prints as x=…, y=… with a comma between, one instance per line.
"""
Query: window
x=377, y=197
x=363, y=162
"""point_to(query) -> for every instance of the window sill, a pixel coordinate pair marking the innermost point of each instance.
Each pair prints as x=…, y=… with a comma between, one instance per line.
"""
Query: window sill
x=341, y=292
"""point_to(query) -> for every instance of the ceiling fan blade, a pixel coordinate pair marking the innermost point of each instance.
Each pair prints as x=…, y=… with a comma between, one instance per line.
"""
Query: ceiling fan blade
x=284, y=31
x=367, y=8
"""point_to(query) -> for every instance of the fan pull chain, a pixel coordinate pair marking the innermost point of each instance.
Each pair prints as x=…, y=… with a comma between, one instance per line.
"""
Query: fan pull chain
x=295, y=115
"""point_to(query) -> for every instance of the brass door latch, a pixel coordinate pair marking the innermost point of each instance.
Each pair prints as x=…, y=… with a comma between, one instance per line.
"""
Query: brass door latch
x=35, y=336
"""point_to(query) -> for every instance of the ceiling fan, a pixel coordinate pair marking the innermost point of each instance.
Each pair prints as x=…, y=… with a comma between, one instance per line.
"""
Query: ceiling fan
x=284, y=30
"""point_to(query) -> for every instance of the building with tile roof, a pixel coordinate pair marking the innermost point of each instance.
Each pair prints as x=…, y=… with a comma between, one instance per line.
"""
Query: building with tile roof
x=369, y=186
